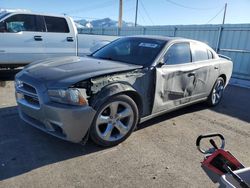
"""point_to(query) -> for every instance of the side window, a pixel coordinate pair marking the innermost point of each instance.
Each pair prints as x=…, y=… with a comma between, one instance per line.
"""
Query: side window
x=56, y=25
x=200, y=52
x=21, y=22
x=177, y=54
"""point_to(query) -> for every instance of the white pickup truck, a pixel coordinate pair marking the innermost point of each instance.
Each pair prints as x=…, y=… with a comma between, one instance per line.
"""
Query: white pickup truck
x=26, y=37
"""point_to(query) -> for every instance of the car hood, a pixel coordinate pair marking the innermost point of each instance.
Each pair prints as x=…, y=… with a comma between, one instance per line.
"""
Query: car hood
x=65, y=71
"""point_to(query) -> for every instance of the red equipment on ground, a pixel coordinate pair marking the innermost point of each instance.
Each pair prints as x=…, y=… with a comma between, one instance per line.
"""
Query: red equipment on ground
x=221, y=166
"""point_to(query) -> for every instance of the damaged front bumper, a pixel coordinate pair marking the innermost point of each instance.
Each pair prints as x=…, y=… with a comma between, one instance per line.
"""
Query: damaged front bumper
x=67, y=122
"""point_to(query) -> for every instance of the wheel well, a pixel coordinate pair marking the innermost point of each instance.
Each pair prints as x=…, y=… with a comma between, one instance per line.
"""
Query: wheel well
x=224, y=77
x=136, y=98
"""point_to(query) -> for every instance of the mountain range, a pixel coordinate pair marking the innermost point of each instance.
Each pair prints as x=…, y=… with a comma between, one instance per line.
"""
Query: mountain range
x=105, y=22
x=83, y=23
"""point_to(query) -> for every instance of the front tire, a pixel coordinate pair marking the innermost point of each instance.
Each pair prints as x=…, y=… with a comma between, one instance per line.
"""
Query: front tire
x=217, y=92
x=114, y=121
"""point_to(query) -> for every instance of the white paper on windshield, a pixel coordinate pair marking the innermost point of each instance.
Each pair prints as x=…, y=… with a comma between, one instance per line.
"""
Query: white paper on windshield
x=148, y=45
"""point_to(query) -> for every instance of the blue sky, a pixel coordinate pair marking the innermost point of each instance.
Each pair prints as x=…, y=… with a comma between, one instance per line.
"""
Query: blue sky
x=151, y=12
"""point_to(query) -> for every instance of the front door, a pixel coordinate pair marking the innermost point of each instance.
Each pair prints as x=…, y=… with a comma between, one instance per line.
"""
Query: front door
x=175, y=80
x=21, y=42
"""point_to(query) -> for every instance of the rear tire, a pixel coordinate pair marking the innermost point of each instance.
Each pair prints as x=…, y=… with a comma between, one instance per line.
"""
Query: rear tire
x=114, y=121
x=217, y=92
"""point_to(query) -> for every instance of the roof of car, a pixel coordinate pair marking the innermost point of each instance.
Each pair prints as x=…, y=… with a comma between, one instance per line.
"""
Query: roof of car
x=165, y=38
x=157, y=37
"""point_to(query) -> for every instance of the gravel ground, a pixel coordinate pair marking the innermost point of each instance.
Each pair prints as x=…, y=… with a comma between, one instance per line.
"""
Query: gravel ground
x=161, y=153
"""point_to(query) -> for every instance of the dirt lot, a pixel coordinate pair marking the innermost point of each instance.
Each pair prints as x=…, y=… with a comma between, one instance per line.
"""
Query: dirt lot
x=161, y=153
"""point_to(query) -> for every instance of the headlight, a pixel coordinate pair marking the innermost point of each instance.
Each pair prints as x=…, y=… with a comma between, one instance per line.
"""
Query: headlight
x=71, y=96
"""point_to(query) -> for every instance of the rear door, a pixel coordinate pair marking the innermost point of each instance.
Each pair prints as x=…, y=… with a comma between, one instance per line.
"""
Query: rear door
x=21, y=41
x=206, y=71
x=175, y=80
x=60, y=39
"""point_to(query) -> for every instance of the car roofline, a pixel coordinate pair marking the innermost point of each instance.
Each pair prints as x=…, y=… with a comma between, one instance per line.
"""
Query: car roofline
x=164, y=38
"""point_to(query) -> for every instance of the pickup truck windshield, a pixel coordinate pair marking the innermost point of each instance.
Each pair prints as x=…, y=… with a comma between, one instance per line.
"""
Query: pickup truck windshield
x=3, y=14
x=132, y=50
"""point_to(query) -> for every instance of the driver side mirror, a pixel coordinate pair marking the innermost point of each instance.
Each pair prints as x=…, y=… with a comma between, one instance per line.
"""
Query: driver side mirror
x=2, y=27
x=161, y=63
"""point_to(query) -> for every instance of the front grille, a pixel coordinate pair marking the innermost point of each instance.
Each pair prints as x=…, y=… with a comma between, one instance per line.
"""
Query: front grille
x=31, y=100
x=29, y=94
x=29, y=88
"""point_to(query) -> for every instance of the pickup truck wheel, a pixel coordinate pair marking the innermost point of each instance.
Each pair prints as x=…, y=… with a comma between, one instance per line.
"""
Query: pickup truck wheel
x=114, y=121
x=217, y=92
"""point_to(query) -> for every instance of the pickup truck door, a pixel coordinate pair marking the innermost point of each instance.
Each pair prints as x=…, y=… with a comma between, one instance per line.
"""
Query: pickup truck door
x=60, y=38
x=21, y=39
x=175, y=80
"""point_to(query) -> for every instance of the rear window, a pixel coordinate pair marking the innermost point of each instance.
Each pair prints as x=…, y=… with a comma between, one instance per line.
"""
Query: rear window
x=200, y=52
x=56, y=25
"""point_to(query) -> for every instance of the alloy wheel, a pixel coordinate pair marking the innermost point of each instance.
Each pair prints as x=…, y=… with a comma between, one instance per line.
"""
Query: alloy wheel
x=114, y=121
x=217, y=91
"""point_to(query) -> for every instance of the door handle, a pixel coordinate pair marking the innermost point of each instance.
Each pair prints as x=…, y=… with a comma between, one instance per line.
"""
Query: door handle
x=70, y=39
x=38, y=38
x=216, y=67
x=191, y=74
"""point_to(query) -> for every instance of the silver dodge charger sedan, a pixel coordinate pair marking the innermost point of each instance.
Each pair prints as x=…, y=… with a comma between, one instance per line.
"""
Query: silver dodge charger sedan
x=130, y=80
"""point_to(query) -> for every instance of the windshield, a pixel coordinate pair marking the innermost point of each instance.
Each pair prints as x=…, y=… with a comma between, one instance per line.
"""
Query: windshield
x=3, y=14
x=132, y=50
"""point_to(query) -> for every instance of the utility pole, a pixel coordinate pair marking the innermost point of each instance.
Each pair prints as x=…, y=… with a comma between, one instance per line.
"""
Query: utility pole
x=136, y=11
x=225, y=12
x=120, y=14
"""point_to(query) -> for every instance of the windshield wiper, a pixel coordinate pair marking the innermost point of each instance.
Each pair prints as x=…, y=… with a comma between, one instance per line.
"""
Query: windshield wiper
x=107, y=58
x=111, y=59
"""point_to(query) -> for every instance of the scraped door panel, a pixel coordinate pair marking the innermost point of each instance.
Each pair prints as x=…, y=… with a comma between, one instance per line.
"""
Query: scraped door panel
x=205, y=76
x=175, y=85
x=207, y=69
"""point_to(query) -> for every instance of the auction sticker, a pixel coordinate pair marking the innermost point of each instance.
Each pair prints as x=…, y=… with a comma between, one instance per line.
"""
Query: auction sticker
x=148, y=45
